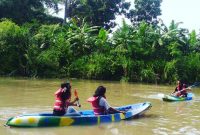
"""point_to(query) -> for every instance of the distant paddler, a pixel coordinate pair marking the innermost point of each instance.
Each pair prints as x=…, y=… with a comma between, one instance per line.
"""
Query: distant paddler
x=181, y=90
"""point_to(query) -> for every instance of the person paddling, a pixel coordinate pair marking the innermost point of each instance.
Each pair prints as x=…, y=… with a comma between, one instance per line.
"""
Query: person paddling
x=184, y=90
x=177, y=89
x=63, y=100
x=99, y=103
x=181, y=90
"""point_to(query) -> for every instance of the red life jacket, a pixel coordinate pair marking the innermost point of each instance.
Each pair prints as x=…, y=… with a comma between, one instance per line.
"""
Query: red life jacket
x=60, y=105
x=179, y=87
x=98, y=110
x=184, y=91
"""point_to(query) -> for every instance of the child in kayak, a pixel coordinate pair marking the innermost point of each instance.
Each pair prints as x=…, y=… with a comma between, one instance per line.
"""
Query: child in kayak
x=100, y=104
x=63, y=100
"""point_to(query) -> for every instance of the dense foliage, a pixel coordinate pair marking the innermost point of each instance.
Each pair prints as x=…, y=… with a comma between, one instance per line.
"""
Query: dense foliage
x=95, y=12
x=145, y=10
x=140, y=52
x=21, y=11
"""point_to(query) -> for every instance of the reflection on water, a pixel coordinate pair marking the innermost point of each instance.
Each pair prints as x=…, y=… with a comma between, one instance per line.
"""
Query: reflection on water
x=21, y=96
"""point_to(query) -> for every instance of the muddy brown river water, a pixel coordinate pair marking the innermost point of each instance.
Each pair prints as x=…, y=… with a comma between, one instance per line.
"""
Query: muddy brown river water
x=21, y=96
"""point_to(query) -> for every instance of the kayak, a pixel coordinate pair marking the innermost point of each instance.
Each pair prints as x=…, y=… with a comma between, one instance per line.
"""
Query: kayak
x=170, y=98
x=85, y=117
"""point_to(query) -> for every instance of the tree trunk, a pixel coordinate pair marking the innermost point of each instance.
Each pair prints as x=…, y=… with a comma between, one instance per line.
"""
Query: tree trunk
x=66, y=12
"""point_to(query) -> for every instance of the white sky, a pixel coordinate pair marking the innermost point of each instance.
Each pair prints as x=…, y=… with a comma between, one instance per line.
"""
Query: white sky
x=186, y=11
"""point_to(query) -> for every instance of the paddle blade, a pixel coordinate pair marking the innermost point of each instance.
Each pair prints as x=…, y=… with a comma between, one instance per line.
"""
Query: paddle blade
x=75, y=93
x=196, y=84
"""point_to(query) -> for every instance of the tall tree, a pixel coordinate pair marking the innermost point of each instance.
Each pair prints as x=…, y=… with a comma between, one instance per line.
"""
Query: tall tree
x=14, y=42
x=21, y=11
x=145, y=10
x=96, y=12
x=194, y=42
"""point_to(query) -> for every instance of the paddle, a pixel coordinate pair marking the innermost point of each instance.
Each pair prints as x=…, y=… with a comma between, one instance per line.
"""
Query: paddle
x=76, y=95
x=189, y=87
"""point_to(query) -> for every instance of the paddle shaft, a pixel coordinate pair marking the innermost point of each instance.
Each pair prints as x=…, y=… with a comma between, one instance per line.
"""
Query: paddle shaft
x=181, y=90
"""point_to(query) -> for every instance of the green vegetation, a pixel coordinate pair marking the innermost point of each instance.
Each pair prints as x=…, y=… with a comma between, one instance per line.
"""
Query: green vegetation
x=44, y=47
x=96, y=12
x=145, y=10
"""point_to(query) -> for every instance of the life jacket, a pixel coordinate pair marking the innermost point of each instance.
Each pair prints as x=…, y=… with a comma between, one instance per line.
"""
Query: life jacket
x=60, y=105
x=179, y=87
x=184, y=91
x=98, y=110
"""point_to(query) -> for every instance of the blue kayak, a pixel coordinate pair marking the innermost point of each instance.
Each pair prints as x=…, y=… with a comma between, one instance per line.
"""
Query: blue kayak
x=85, y=117
x=170, y=98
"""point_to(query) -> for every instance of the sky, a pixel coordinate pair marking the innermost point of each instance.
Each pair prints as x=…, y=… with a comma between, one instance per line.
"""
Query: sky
x=186, y=11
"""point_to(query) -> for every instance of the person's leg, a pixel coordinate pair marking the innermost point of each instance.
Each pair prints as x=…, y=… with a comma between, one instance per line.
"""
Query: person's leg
x=186, y=94
x=71, y=110
x=58, y=113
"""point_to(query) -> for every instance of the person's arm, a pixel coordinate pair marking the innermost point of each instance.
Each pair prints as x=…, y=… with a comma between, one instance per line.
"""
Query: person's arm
x=103, y=102
x=188, y=89
x=73, y=103
x=113, y=110
x=175, y=90
x=58, y=92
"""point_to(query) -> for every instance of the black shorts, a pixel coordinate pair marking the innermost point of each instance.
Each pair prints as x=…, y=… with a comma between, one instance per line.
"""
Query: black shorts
x=59, y=112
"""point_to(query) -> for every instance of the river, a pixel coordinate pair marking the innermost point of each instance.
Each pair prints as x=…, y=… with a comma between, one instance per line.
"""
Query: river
x=21, y=96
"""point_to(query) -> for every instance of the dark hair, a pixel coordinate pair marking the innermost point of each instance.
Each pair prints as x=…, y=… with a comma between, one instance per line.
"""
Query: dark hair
x=67, y=94
x=67, y=85
x=100, y=91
